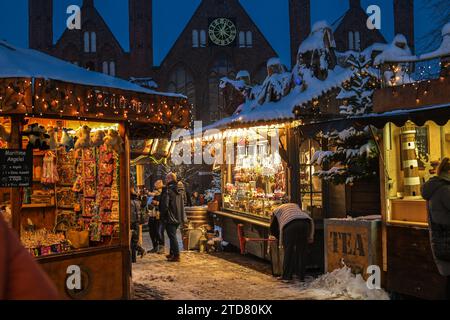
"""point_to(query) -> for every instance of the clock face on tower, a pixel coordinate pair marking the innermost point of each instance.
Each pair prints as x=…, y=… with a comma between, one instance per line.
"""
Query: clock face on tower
x=222, y=32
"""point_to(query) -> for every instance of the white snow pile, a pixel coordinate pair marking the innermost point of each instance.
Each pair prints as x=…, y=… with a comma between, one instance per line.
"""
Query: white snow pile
x=343, y=283
x=316, y=39
x=238, y=84
x=273, y=62
x=242, y=74
x=397, y=51
x=444, y=49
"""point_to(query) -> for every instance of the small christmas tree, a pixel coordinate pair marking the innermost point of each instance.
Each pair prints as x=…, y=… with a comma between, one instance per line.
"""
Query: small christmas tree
x=357, y=94
x=353, y=153
x=354, y=156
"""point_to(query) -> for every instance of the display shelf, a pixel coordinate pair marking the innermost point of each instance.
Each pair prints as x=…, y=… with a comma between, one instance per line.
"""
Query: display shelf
x=37, y=205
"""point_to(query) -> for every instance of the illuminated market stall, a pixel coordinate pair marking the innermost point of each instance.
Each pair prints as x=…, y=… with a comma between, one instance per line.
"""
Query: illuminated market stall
x=65, y=136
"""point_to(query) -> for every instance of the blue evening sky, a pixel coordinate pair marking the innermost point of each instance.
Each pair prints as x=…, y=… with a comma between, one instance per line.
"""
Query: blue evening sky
x=171, y=16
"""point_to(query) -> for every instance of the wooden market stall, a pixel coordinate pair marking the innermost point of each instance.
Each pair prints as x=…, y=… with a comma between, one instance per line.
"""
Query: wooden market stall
x=65, y=159
x=414, y=141
x=288, y=101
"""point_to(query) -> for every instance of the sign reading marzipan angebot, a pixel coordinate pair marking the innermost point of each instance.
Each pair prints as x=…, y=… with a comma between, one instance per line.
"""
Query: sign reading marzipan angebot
x=16, y=168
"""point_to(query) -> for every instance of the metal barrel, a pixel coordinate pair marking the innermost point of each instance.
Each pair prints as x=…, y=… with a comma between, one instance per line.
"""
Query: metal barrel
x=197, y=216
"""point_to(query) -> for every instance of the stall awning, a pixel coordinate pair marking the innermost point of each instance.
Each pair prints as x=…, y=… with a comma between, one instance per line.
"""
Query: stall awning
x=34, y=83
x=440, y=114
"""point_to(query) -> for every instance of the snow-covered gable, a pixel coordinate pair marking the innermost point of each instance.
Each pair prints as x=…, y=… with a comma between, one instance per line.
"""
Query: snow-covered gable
x=27, y=63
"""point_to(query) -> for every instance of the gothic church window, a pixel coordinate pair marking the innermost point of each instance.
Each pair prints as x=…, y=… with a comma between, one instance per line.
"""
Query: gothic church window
x=223, y=67
x=249, y=39
x=351, y=41
x=90, y=42
x=86, y=42
x=242, y=39
x=195, y=42
x=203, y=38
x=181, y=81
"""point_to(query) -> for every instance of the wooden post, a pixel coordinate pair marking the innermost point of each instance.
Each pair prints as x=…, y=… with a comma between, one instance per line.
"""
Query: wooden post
x=16, y=196
x=125, y=209
x=293, y=150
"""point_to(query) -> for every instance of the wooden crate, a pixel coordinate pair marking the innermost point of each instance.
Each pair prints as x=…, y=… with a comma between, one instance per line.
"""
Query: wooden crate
x=356, y=243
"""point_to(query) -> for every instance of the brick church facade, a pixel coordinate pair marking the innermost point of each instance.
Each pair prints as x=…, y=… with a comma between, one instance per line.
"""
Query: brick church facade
x=198, y=59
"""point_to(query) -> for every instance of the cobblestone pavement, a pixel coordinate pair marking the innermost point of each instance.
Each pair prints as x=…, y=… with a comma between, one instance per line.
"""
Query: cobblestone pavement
x=222, y=276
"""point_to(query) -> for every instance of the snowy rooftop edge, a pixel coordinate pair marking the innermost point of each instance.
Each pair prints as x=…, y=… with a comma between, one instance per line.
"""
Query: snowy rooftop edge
x=18, y=62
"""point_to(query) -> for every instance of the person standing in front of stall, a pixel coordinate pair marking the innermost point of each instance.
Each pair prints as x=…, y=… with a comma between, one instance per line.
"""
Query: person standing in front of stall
x=437, y=192
x=172, y=212
x=295, y=229
x=135, y=221
x=155, y=225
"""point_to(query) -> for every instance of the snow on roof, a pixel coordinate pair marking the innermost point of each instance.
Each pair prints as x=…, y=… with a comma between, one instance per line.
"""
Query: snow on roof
x=145, y=82
x=243, y=74
x=315, y=39
x=283, y=110
x=27, y=63
x=444, y=49
x=273, y=62
x=397, y=51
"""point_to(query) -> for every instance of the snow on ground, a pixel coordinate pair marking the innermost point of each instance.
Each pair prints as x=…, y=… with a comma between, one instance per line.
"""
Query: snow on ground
x=230, y=276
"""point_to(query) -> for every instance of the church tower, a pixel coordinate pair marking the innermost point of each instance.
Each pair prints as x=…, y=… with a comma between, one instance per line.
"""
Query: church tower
x=300, y=24
x=40, y=33
x=404, y=20
x=141, y=36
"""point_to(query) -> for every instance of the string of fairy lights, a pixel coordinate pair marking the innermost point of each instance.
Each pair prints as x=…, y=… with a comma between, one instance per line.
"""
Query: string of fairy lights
x=38, y=97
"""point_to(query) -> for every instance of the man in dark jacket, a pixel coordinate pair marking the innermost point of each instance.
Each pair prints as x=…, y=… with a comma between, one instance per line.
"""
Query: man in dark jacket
x=171, y=207
x=437, y=192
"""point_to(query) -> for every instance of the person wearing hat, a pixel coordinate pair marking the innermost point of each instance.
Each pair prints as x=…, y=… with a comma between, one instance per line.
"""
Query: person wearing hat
x=437, y=193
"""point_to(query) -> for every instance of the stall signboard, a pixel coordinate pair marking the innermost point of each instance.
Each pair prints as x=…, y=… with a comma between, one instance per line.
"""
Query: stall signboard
x=16, y=168
x=357, y=244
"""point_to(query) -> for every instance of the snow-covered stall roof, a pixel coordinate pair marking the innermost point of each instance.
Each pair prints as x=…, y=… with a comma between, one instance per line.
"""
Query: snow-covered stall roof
x=27, y=63
x=283, y=110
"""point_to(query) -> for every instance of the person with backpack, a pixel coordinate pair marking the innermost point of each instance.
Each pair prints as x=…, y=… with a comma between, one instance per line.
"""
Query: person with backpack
x=171, y=207
x=437, y=192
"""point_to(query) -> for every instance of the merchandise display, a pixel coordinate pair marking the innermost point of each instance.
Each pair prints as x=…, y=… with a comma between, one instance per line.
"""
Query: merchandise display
x=75, y=184
x=412, y=154
x=257, y=184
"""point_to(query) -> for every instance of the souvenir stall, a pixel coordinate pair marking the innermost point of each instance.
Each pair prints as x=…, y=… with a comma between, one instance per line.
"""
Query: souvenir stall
x=254, y=184
x=65, y=146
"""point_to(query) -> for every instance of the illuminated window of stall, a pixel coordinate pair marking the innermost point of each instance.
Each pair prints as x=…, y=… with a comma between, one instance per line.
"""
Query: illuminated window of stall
x=74, y=200
x=256, y=182
x=412, y=154
x=310, y=184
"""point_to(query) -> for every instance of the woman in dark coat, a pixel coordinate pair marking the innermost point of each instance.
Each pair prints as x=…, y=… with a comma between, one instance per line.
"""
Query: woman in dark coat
x=437, y=192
